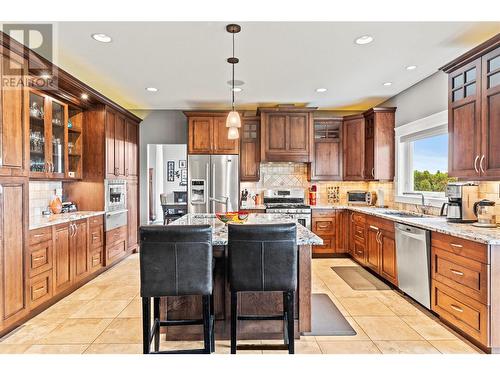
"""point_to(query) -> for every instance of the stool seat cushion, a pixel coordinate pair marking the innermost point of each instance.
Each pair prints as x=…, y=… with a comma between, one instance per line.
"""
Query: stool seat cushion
x=175, y=260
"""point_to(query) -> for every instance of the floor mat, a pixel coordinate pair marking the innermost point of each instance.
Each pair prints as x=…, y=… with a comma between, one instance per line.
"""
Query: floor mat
x=327, y=320
x=360, y=279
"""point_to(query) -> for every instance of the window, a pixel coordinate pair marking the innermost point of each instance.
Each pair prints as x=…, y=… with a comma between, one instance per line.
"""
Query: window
x=422, y=159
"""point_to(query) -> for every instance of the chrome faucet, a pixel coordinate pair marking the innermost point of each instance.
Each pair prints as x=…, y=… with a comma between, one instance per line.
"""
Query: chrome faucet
x=424, y=207
x=224, y=201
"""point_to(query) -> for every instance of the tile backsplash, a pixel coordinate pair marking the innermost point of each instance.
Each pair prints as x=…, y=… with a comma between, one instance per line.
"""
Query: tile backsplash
x=40, y=195
x=294, y=175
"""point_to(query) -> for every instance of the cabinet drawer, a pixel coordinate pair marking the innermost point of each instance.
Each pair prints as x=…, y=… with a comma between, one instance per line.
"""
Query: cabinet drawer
x=359, y=232
x=328, y=246
x=96, y=220
x=459, y=246
x=462, y=274
x=467, y=314
x=116, y=235
x=358, y=218
x=96, y=236
x=96, y=259
x=323, y=213
x=40, y=289
x=40, y=258
x=115, y=251
x=323, y=225
x=358, y=251
x=40, y=235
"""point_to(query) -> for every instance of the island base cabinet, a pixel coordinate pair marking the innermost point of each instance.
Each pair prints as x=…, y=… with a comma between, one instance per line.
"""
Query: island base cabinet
x=13, y=205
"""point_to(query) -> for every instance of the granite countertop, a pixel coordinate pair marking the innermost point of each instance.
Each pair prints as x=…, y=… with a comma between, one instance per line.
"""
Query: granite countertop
x=219, y=230
x=490, y=236
x=47, y=221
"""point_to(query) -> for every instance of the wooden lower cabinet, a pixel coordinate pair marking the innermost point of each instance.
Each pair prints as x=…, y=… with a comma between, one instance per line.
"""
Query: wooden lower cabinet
x=324, y=225
x=388, y=265
x=373, y=247
x=14, y=206
x=116, y=244
x=40, y=289
x=63, y=270
x=80, y=248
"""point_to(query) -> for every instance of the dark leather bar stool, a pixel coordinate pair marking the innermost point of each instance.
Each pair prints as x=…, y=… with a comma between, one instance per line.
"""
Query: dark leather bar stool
x=263, y=258
x=176, y=261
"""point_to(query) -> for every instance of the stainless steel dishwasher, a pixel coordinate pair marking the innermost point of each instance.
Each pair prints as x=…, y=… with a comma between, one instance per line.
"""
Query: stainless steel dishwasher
x=413, y=262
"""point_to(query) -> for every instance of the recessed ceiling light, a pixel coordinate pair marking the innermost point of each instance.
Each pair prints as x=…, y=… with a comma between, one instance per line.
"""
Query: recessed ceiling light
x=151, y=89
x=411, y=67
x=100, y=37
x=84, y=96
x=387, y=83
x=364, y=39
x=321, y=89
x=237, y=89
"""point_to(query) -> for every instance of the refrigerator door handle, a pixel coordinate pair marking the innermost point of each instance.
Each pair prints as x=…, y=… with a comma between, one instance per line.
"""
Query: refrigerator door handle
x=207, y=200
x=212, y=199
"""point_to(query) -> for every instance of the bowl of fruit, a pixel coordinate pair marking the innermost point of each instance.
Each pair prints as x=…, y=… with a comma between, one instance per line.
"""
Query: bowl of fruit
x=226, y=217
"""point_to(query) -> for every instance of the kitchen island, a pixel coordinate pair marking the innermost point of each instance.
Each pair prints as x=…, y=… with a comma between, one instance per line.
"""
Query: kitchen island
x=258, y=303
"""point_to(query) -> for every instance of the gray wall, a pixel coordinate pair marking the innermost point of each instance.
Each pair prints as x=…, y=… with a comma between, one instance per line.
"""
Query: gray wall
x=423, y=99
x=157, y=127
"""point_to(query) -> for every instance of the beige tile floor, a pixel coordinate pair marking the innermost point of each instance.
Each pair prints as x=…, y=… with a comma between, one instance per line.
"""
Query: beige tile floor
x=104, y=316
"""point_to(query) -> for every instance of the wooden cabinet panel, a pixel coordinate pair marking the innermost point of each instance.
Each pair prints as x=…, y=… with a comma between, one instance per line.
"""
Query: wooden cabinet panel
x=110, y=143
x=373, y=248
x=388, y=265
x=96, y=259
x=96, y=220
x=490, y=115
x=12, y=128
x=462, y=274
x=354, y=148
x=96, y=237
x=116, y=251
x=40, y=258
x=250, y=150
x=40, y=289
x=463, y=312
x=358, y=251
x=327, y=162
x=80, y=249
x=39, y=235
x=132, y=214
x=221, y=144
x=469, y=249
x=464, y=121
x=13, y=205
x=299, y=133
x=276, y=133
x=200, y=135
x=379, y=144
x=324, y=224
x=63, y=269
x=131, y=147
x=120, y=134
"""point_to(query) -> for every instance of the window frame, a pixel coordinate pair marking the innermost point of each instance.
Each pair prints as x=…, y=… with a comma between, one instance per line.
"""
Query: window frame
x=433, y=125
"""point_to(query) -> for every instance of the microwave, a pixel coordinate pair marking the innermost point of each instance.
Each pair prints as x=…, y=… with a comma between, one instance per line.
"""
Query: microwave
x=361, y=198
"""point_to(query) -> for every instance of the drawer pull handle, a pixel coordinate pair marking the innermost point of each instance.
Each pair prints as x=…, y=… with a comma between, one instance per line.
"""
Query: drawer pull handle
x=456, y=308
x=457, y=272
x=456, y=245
x=38, y=289
x=38, y=235
x=39, y=258
x=373, y=227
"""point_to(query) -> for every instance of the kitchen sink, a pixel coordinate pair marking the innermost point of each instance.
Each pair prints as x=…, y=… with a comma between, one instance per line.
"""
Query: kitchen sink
x=403, y=214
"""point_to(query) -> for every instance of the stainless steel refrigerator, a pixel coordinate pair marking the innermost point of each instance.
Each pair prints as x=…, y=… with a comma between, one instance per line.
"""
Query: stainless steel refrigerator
x=213, y=183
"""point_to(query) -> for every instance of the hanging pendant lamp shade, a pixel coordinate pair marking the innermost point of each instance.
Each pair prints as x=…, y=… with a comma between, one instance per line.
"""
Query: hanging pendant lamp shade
x=233, y=120
x=233, y=133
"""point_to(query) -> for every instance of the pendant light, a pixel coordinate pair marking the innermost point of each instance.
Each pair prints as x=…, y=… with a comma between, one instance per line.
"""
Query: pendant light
x=233, y=121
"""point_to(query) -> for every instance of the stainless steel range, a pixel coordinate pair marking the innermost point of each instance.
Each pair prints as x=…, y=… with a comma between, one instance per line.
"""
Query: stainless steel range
x=288, y=201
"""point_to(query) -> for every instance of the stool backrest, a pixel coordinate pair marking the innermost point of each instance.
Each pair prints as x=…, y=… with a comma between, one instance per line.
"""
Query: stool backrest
x=263, y=257
x=175, y=260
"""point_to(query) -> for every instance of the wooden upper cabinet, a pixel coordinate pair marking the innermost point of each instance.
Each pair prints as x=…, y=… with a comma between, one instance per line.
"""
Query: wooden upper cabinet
x=464, y=120
x=490, y=115
x=474, y=112
x=132, y=145
x=13, y=132
x=250, y=149
x=13, y=204
x=379, y=144
x=286, y=134
x=207, y=134
x=326, y=163
x=120, y=145
x=354, y=148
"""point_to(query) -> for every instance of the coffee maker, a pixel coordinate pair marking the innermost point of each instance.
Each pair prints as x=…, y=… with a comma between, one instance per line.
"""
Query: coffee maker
x=461, y=198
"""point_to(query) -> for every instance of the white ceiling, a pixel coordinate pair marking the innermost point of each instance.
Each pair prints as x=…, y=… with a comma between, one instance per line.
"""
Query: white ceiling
x=279, y=61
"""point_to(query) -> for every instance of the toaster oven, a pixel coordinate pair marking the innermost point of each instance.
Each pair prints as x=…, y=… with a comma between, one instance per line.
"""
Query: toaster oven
x=361, y=198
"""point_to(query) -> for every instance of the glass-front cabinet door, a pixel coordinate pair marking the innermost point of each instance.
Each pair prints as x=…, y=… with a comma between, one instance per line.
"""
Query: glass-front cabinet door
x=59, y=139
x=48, y=118
x=38, y=135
